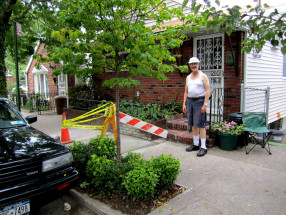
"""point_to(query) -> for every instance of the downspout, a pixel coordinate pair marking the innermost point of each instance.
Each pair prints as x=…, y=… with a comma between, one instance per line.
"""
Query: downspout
x=237, y=49
x=242, y=103
x=245, y=65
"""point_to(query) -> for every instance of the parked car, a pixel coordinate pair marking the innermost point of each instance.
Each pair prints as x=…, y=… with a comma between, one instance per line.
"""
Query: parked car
x=33, y=165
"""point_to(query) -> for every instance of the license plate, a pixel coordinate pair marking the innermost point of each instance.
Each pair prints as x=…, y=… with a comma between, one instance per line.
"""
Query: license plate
x=20, y=208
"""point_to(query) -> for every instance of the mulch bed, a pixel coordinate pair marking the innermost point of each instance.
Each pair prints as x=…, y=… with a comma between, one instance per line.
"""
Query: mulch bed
x=129, y=206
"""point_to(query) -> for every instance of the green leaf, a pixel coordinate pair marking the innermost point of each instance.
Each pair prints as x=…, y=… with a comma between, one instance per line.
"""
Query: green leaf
x=185, y=2
x=217, y=2
x=197, y=8
x=228, y=30
x=283, y=49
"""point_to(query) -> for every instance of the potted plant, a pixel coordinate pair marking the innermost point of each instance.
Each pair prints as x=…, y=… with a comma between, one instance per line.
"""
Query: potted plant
x=227, y=133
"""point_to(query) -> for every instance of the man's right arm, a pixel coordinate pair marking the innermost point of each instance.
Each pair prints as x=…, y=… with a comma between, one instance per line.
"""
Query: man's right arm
x=185, y=98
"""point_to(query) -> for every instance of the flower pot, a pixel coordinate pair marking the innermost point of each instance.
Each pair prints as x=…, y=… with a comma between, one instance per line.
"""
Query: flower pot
x=227, y=142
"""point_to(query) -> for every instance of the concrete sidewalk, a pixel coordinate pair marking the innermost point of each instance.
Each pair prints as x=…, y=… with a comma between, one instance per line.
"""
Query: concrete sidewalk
x=51, y=124
x=222, y=182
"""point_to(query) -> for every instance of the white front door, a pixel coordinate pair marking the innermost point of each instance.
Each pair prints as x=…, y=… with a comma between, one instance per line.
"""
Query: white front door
x=63, y=84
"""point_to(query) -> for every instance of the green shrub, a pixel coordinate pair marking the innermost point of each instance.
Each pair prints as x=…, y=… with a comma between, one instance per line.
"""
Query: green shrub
x=98, y=146
x=132, y=157
x=133, y=176
x=104, y=147
x=141, y=182
x=173, y=107
x=104, y=174
x=167, y=167
x=130, y=161
x=28, y=105
x=151, y=111
x=81, y=154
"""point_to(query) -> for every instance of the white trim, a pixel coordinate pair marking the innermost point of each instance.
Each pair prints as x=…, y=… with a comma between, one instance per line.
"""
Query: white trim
x=31, y=58
x=36, y=86
x=42, y=70
x=210, y=35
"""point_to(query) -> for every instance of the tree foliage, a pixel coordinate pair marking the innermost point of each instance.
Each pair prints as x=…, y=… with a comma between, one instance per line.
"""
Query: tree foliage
x=37, y=20
x=114, y=35
x=262, y=23
x=111, y=35
x=116, y=24
x=94, y=36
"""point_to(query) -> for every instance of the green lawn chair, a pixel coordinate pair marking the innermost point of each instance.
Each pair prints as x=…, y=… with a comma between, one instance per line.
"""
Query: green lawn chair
x=255, y=125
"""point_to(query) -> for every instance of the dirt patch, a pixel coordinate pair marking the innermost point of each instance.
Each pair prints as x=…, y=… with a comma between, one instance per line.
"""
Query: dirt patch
x=129, y=206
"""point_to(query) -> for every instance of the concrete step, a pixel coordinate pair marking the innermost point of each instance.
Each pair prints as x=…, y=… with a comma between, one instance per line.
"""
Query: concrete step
x=186, y=138
x=180, y=125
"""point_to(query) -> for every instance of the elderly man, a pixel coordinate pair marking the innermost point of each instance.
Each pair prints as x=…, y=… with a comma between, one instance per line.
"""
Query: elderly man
x=196, y=96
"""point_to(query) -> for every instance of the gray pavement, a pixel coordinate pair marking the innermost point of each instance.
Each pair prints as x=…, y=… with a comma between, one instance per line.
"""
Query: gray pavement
x=222, y=182
x=51, y=124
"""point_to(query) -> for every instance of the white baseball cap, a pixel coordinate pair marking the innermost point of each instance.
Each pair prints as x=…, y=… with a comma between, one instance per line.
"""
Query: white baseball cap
x=194, y=60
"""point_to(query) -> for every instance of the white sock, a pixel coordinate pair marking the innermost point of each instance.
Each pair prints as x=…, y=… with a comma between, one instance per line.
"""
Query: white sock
x=196, y=140
x=203, y=144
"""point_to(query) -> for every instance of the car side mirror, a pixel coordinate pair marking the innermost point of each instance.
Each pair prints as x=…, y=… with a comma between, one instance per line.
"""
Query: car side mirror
x=31, y=119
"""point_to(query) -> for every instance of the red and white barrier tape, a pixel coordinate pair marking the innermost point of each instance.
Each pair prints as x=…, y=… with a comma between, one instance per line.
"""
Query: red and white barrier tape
x=137, y=123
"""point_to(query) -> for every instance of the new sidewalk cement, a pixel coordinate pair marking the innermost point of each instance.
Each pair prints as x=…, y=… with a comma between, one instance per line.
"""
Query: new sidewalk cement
x=222, y=182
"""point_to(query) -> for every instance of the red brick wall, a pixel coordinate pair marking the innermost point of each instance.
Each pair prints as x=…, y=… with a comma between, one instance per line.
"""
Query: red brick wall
x=233, y=77
x=10, y=79
x=153, y=90
x=150, y=90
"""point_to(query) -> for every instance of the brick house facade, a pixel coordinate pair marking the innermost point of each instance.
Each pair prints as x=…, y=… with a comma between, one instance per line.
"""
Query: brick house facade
x=46, y=83
x=153, y=90
x=10, y=79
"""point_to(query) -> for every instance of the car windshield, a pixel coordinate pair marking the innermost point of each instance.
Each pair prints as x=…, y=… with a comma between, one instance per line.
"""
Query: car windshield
x=9, y=116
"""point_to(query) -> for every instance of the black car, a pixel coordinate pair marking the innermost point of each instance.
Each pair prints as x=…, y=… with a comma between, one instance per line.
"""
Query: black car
x=33, y=166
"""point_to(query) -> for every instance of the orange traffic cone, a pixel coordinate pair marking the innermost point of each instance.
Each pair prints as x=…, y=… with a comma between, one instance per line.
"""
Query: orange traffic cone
x=65, y=135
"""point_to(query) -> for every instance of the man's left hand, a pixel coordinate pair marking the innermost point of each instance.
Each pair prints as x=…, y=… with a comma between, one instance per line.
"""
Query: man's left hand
x=204, y=109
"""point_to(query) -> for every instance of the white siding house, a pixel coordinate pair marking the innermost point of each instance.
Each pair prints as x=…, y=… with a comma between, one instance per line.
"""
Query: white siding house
x=265, y=69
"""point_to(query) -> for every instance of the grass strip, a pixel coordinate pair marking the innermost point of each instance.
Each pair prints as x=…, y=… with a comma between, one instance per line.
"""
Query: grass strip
x=276, y=144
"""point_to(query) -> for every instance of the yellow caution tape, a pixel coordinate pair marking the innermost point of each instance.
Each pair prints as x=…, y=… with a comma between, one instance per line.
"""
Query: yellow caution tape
x=109, y=113
x=87, y=127
x=90, y=113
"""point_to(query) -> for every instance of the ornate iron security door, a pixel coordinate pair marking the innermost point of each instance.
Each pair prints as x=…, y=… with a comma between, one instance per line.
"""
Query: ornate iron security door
x=210, y=51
